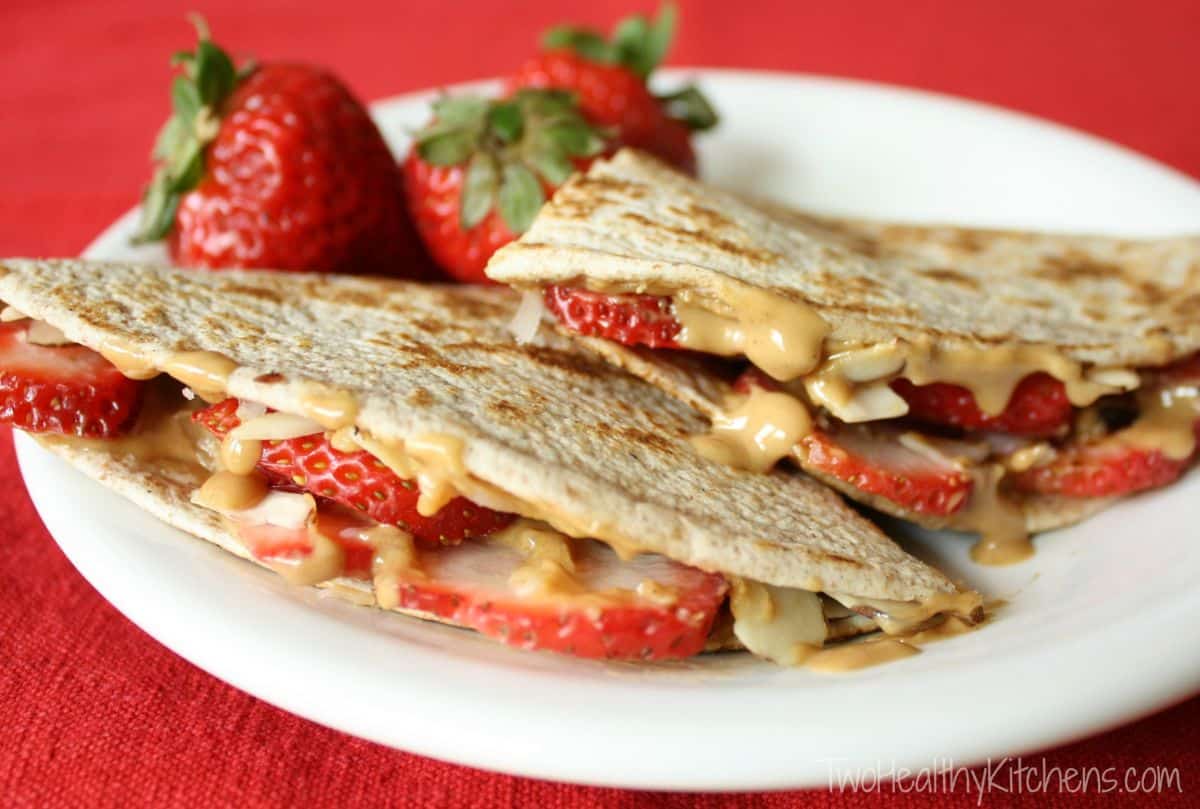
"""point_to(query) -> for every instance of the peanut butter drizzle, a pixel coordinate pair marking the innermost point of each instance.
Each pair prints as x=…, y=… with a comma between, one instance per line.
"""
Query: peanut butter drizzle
x=782, y=337
x=205, y=372
x=1000, y=523
x=229, y=491
x=664, y=595
x=439, y=462
x=1166, y=421
x=325, y=561
x=852, y=383
x=331, y=407
x=548, y=569
x=395, y=558
x=1034, y=455
x=903, y=618
x=240, y=456
x=127, y=359
x=755, y=430
x=854, y=655
x=535, y=540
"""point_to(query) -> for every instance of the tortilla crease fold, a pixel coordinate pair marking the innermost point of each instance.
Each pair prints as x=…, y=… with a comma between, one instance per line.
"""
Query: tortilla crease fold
x=548, y=423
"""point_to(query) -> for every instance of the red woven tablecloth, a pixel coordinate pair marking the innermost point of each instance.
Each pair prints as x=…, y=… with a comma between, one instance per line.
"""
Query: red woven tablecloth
x=95, y=713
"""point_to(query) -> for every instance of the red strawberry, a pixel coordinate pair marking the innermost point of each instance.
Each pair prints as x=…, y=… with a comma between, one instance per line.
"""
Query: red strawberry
x=627, y=319
x=610, y=78
x=479, y=173
x=275, y=166
x=469, y=585
x=359, y=480
x=274, y=543
x=62, y=389
x=1039, y=406
x=877, y=463
x=872, y=459
x=1110, y=466
x=1105, y=468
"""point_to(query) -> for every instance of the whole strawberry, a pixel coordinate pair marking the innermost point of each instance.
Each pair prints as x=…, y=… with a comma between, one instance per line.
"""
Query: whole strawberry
x=274, y=166
x=479, y=173
x=610, y=77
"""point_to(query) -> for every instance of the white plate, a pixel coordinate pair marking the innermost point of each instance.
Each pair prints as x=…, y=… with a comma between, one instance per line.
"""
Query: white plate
x=1091, y=636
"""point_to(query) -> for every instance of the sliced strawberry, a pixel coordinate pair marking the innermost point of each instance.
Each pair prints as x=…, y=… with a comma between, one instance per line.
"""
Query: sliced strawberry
x=1105, y=468
x=1038, y=407
x=360, y=480
x=600, y=616
x=274, y=543
x=62, y=389
x=876, y=462
x=1110, y=466
x=627, y=319
x=872, y=459
x=469, y=585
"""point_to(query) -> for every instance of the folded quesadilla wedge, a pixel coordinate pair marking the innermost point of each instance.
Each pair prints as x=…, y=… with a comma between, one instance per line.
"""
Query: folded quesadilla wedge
x=989, y=381
x=392, y=442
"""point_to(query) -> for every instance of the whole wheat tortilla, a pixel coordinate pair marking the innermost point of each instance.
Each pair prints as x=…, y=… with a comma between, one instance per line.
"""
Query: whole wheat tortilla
x=548, y=422
x=634, y=222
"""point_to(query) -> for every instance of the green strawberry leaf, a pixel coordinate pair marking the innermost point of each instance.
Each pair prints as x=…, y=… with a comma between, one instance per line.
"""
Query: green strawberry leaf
x=185, y=100
x=552, y=165
x=170, y=139
x=213, y=72
x=158, y=210
x=455, y=111
x=690, y=106
x=641, y=45
x=479, y=191
x=505, y=121
x=446, y=148
x=588, y=44
x=520, y=198
x=574, y=139
x=189, y=166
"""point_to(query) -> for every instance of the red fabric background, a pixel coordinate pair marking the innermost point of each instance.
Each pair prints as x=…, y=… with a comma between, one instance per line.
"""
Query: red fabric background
x=94, y=712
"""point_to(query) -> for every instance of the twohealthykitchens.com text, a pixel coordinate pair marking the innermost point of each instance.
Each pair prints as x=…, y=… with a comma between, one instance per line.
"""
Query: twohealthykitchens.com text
x=1005, y=776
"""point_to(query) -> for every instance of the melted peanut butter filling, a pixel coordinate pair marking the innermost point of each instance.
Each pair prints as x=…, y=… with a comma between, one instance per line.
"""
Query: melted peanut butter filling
x=164, y=432
x=1000, y=523
x=852, y=382
x=535, y=540
x=395, y=559
x=332, y=408
x=230, y=491
x=325, y=561
x=855, y=655
x=205, y=372
x=783, y=337
x=240, y=456
x=755, y=430
x=1166, y=422
x=128, y=360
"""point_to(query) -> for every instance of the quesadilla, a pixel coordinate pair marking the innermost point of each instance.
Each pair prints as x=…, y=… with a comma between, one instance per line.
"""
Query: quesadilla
x=989, y=381
x=392, y=442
